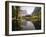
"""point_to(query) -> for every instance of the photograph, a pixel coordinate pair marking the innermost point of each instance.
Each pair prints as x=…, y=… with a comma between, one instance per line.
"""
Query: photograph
x=24, y=18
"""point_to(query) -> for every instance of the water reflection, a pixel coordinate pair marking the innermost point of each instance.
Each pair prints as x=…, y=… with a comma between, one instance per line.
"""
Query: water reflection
x=27, y=25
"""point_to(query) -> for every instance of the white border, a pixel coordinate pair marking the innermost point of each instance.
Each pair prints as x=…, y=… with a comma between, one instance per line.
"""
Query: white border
x=29, y=31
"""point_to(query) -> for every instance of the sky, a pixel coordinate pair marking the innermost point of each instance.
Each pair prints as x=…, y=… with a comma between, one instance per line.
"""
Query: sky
x=28, y=9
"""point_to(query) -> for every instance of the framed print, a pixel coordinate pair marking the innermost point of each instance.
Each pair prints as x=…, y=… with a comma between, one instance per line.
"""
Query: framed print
x=23, y=18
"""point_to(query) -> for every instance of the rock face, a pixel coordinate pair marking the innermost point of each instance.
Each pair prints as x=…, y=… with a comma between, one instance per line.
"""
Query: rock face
x=37, y=20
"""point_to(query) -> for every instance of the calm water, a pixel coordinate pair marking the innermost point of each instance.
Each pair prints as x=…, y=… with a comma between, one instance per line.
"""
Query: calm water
x=28, y=25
